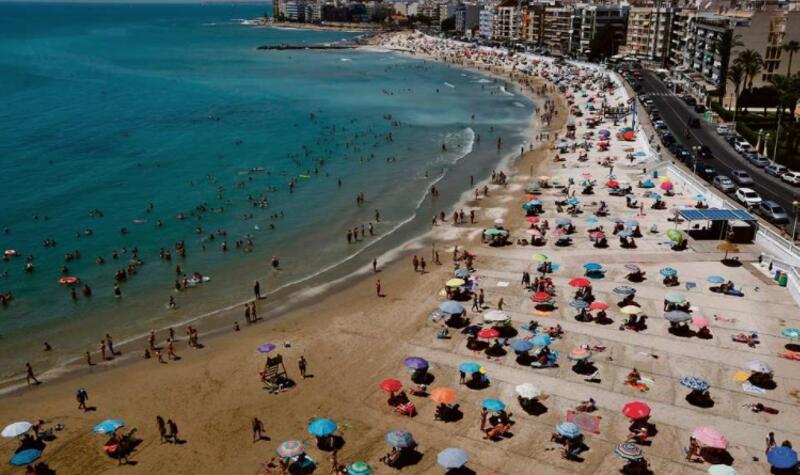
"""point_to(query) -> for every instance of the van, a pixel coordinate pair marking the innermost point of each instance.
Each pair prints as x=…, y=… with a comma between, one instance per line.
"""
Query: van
x=776, y=169
x=773, y=212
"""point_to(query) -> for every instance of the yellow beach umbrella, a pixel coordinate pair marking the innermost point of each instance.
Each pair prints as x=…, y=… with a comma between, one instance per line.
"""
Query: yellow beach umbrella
x=455, y=283
x=630, y=310
x=539, y=257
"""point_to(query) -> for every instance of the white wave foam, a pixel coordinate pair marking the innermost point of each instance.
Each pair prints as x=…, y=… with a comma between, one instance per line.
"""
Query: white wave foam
x=518, y=104
x=505, y=91
x=449, y=85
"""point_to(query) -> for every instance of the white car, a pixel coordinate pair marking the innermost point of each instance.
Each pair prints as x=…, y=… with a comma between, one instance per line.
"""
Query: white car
x=748, y=197
x=742, y=146
x=791, y=177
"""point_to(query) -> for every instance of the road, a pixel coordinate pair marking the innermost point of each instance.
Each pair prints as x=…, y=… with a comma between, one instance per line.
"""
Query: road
x=675, y=113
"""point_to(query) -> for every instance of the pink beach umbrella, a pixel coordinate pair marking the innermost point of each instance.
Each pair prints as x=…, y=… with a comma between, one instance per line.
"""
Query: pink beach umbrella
x=666, y=186
x=699, y=321
x=710, y=437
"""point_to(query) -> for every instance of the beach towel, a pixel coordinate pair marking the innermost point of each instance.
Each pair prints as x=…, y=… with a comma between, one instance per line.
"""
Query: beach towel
x=790, y=355
x=749, y=388
x=502, y=284
x=585, y=421
x=741, y=376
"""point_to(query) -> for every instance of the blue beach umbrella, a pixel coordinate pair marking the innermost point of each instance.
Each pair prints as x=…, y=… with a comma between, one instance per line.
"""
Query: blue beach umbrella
x=108, y=426
x=521, y=345
x=494, y=405
x=791, y=332
x=569, y=430
x=452, y=307
x=469, y=367
x=675, y=297
x=782, y=457
x=400, y=439
x=322, y=427
x=677, y=316
x=624, y=290
x=579, y=304
x=591, y=220
x=648, y=184
x=416, y=363
x=359, y=468
x=715, y=279
x=563, y=221
x=640, y=154
x=668, y=272
x=631, y=223
x=695, y=383
x=625, y=233
x=700, y=197
x=655, y=196
x=452, y=458
x=462, y=273
x=542, y=339
x=266, y=348
x=25, y=457
x=593, y=266
x=573, y=202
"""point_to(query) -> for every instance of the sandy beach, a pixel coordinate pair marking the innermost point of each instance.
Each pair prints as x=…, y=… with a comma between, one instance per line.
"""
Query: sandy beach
x=353, y=339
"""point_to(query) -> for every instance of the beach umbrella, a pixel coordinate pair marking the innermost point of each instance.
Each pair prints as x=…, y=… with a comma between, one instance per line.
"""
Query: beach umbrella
x=675, y=297
x=442, y=395
x=636, y=410
x=629, y=136
x=715, y=279
x=359, y=468
x=640, y=154
x=462, y=274
x=390, y=385
x=532, y=188
x=452, y=458
x=603, y=132
x=455, y=282
x=469, y=367
x=591, y=220
x=533, y=232
x=758, y=367
x=677, y=316
x=624, y=290
x=494, y=316
x=700, y=197
x=782, y=457
x=632, y=268
x=108, y=426
x=527, y=391
x=628, y=451
x=668, y=272
x=612, y=184
x=598, y=305
x=492, y=232
x=792, y=332
x=416, y=363
x=720, y=469
x=488, y=333
x=544, y=178
x=626, y=233
x=322, y=427
x=559, y=232
x=579, y=282
x=727, y=247
x=531, y=204
x=521, y=345
x=710, y=437
x=541, y=297
x=573, y=201
x=699, y=321
x=630, y=310
x=579, y=304
x=498, y=221
x=542, y=339
x=494, y=405
x=647, y=184
x=569, y=430
x=400, y=439
x=532, y=219
x=695, y=383
x=597, y=235
x=563, y=221
x=631, y=223
x=24, y=457
x=16, y=429
x=290, y=448
x=667, y=185
x=593, y=266
x=539, y=258
x=579, y=354
x=266, y=348
x=675, y=236
x=655, y=196
x=452, y=307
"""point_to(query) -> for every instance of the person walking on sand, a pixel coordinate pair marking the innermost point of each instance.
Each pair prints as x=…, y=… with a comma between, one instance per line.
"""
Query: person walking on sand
x=162, y=428
x=771, y=444
x=247, y=313
x=481, y=299
x=415, y=263
x=29, y=376
x=378, y=287
x=422, y=265
x=103, y=350
x=500, y=304
x=253, y=312
x=82, y=396
x=258, y=429
x=475, y=306
x=375, y=265
x=151, y=339
x=257, y=290
x=89, y=359
x=172, y=431
x=171, y=350
x=484, y=415
x=110, y=345
x=302, y=366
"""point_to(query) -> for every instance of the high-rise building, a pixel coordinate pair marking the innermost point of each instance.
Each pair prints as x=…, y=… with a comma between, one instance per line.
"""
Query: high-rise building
x=589, y=19
x=508, y=21
x=467, y=16
x=486, y=23
x=649, y=32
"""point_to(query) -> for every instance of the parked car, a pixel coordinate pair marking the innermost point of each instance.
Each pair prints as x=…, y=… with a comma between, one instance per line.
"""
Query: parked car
x=741, y=177
x=705, y=152
x=773, y=212
x=757, y=160
x=691, y=101
x=723, y=183
x=793, y=178
x=776, y=169
x=707, y=172
x=742, y=146
x=748, y=197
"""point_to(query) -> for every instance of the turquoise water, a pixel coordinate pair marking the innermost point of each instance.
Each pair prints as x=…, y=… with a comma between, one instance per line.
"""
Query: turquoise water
x=147, y=112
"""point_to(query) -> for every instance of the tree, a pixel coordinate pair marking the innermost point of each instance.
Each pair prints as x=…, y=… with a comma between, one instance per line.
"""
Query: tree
x=449, y=24
x=751, y=62
x=602, y=44
x=723, y=47
x=736, y=76
x=791, y=47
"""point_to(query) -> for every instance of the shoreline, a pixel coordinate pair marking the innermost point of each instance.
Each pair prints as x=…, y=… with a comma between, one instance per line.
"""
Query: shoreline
x=293, y=296
x=326, y=26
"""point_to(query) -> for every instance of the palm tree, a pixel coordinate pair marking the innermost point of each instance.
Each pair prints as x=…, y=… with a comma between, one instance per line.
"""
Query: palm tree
x=736, y=76
x=791, y=47
x=723, y=47
x=752, y=62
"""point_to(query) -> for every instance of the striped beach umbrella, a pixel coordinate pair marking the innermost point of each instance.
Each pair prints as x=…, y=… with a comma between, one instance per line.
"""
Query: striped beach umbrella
x=579, y=304
x=628, y=451
x=579, y=354
x=359, y=468
x=290, y=448
x=624, y=290
x=668, y=272
x=400, y=439
x=569, y=430
x=695, y=383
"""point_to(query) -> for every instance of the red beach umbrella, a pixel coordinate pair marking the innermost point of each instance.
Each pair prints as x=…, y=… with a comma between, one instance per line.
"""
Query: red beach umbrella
x=390, y=385
x=488, y=333
x=579, y=282
x=636, y=410
x=532, y=219
x=541, y=297
x=598, y=305
x=612, y=183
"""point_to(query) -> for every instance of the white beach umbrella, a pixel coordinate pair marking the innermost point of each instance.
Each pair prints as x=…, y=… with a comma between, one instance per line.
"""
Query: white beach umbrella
x=499, y=221
x=493, y=316
x=528, y=390
x=16, y=429
x=759, y=367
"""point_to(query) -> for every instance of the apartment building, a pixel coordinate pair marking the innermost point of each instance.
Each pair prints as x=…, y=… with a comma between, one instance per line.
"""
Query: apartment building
x=556, y=33
x=589, y=19
x=508, y=21
x=467, y=16
x=649, y=32
x=486, y=23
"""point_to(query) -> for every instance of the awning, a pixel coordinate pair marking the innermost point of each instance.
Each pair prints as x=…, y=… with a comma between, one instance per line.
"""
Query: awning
x=713, y=214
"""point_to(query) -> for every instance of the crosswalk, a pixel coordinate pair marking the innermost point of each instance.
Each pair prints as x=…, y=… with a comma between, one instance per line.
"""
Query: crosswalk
x=658, y=94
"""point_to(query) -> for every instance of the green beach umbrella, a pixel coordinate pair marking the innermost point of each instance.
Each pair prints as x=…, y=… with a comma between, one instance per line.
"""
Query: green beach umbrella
x=675, y=236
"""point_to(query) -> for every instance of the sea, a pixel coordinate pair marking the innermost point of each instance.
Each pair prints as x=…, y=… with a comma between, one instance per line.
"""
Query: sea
x=126, y=129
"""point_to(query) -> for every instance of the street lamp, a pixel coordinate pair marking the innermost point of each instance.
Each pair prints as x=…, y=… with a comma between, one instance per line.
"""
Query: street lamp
x=796, y=208
x=696, y=149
